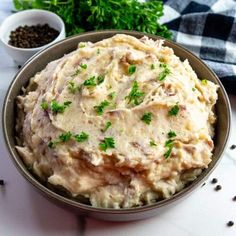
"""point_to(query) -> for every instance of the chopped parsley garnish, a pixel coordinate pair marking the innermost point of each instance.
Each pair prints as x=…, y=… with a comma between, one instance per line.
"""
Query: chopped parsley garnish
x=132, y=69
x=65, y=136
x=59, y=108
x=169, y=145
x=107, y=143
x=81, y=45
x=81, y=137
x=44, y=105
x=90, y=82
x=98, y=51
x=111, y=95
x=51, y=144
x=152, y=67
x=193, y=89
x=72, y=87
x=147, y=118
x=83, y=66
x=108, y=124
x=204, y=82
x=171, y=134
x=152, y=143
x=100, y=108
x=100, y=79
x=77, y=72
x=174, y=110
x=165, y=71
x=135, y=96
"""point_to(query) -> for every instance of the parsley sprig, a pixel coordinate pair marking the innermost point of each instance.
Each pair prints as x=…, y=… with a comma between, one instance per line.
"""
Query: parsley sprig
x=59, y=108
x=81, y=137
x=171, y=134
x=131, y=69
x=135, y=96
x=169, y=144
x=174, y=110
x=152, y=143
x=147, y=118
x=72, y=87
x=101, y=107
x=107, y=125
x=164, y=72
x=108, y=142
x=90, y=82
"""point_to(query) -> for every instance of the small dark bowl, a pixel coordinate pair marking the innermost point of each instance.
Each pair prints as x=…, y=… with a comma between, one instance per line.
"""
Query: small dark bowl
x=39, y=62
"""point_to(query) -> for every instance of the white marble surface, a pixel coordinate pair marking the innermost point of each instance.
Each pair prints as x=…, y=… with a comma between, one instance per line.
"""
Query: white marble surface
x=24, y=212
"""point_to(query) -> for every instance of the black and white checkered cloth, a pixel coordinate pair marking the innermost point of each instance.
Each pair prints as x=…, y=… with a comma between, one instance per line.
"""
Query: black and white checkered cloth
x=208, y=29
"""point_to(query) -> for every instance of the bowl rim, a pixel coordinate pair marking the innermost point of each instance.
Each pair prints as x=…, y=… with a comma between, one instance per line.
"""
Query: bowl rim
x=57, y=17
x=88, y=208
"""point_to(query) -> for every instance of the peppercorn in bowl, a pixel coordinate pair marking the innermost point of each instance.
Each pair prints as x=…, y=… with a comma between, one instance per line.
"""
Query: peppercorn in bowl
x=27, y=32
x=118, y=128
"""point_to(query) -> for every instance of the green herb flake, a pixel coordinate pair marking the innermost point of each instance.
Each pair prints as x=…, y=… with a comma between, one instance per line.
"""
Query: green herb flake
x=51, y=144
x=100, y=79
x=107, y=125
x=164, y=72
x=59, y=108
x=83, y=66
x=72, y=87
x=147, y=118
x=81, y=45
x=100, y=108
x=108, y=142
x=152, y=143
x=132, y=69
x=193, y=89
x=171, y=134
x=77, y=72
x=111, y=95
x=174, y=110
x=204, y=82
x=65, y=136
x=98, y=51
x=90, y=82
x=81, y=137
x=169, y=145
x=44, y=105
x=135, y=96
x=152, y=67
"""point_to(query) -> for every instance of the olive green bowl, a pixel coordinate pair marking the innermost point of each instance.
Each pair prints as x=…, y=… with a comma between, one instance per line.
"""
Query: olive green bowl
x=39, y=62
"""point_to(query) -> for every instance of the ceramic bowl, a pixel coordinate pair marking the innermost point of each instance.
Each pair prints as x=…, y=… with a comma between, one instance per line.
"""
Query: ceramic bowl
x=29, y=17
x=39, y=62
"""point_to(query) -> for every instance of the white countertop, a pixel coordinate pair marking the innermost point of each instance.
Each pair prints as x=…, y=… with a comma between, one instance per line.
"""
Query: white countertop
x=24, y=212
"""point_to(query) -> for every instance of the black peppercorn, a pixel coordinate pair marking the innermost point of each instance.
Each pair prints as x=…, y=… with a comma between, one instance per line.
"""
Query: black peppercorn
x=234, y=198
x=2, y=182
x=233, y=146
x=214, y=181
x=218, y=187
x=230, y=223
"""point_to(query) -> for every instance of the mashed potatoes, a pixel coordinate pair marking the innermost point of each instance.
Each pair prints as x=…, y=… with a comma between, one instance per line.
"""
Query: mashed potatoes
x=123, y=122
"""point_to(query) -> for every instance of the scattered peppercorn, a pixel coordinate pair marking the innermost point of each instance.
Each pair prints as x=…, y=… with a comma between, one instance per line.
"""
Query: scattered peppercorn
x=32, y=36
x=234, y=198
x=19, y=66
x=2, y=182
x=214, y=181
x=218, y=187
x=233, y=146
x=203, y=184
x=230, y=223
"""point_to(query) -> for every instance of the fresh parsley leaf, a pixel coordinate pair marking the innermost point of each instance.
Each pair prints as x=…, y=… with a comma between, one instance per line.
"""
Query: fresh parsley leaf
x=100, y=108
x=171, y=134
x=83, y=66
x=169, y=145
x=111, y=95
x=65, y=136
x=90, y=82
x=164, y=73
x=98, y=51
x=132, y=69
x=135, y=96
x=193, y=89
x=59, y=108
x=152, y=67
x=108, y=142
x=108, y=124
x=204, y=82
x=44, y=105
x=77, y=72
x=174, y=110
x=81, y=45
x=72, y=87
x=100, y=79
x=147, y=118
x=152, y=143
x=81, y=137
x=51, y=144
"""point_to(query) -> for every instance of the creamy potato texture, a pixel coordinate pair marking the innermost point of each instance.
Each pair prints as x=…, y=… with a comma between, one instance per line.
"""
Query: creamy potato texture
x=123, y=122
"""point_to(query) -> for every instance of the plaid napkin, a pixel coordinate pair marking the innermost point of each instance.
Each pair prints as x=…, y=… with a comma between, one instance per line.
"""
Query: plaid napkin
x=208, y=29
